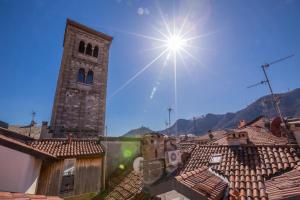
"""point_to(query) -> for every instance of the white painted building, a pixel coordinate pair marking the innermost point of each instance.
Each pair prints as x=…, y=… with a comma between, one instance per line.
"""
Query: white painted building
x=20, y=164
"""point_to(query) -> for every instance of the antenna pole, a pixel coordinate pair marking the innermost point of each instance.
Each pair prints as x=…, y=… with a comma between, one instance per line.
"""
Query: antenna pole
x=271, y=90
x=32, y=122
x=170, y=110
x=275, y=101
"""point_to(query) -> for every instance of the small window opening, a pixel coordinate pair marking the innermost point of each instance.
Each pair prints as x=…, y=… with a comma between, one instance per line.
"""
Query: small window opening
x=95, y=52
x=89, y=50
x=67, y=182
x=90, y=77
x=81, y=75
x=215, y=159
x=81, y=47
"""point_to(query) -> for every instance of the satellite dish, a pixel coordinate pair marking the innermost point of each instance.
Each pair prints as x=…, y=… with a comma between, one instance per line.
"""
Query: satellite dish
x=138, y=165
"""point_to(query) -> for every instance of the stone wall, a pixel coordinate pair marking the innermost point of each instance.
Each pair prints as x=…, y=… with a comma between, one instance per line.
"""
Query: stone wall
x=79, y=107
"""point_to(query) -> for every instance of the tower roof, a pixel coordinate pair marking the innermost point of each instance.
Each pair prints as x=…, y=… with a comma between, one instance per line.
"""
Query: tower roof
x=87, y=29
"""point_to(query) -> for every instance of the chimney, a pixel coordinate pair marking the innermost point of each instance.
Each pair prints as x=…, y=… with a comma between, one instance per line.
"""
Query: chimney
x=242, y=123
x=45, y=131
x=69, y=138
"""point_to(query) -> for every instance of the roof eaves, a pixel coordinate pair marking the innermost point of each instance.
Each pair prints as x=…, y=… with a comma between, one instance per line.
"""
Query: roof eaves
x=24, y=148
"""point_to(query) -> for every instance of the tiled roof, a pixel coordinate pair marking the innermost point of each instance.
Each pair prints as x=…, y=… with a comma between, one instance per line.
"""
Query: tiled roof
x=246, y=167
x=22, y=147
x=284, y=186
x=127, y=189
x=257, y=137
x=204, y=182
x=63, y=148
x=22, y=196
x=187, y=147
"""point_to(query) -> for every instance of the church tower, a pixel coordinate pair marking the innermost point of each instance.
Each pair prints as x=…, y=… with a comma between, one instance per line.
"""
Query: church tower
x=79, y=104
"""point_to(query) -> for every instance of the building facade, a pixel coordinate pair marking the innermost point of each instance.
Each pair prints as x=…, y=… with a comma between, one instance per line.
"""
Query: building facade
x=79, y=104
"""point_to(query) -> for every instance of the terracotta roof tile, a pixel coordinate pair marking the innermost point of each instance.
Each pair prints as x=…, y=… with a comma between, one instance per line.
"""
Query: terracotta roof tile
x=285, y=185
x=256, y=137
x=130, y=186
x=62, y=148
x=187, y=147
x=22, y=147
x=204, y=182
x=246, y=167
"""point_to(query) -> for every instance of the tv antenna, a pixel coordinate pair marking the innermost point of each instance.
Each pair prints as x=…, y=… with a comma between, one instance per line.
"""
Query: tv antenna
x=267, y=81
x=32, y=122
x=170, y=110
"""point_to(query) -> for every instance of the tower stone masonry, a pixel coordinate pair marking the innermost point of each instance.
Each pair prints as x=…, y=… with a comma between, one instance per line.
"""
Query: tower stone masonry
x=80, y=98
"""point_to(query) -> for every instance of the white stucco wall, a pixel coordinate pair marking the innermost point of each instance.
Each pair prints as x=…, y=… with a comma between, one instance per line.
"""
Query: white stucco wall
x=19, y=172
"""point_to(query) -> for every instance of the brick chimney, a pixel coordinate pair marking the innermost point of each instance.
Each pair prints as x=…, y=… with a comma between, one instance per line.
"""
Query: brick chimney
x=242, y=123
x=45, y=131
x=69, y=138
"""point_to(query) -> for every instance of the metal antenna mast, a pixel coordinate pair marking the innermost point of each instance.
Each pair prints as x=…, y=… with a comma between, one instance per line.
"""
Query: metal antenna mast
x=267, y=80
x=32, y=122
x=170, y=110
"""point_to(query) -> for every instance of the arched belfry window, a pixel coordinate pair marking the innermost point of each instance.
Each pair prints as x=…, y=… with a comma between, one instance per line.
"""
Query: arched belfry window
x=96, y=51
x=90, y=77
x=89, y=50
x=81, y=46
x=81, y=75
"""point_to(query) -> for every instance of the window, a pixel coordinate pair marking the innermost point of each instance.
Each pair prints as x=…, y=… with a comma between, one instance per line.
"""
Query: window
x=90, y=77
x=215, y=159
x=89, y=50
x=81, y=75
x=96, y=50
x=81, y=47
x=67, y=182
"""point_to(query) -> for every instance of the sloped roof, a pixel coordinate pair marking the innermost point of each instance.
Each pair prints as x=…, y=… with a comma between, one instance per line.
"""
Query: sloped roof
x=246, y=167
x=204, y=182
x=50, y=148
x=22, y=147
x=284, y=186
x=19, y=196
x=257, y=137
x=63, y=148
x=130, y=186
x=187, y=147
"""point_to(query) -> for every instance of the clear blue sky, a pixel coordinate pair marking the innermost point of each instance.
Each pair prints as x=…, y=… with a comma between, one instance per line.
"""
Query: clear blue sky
x=238, y=36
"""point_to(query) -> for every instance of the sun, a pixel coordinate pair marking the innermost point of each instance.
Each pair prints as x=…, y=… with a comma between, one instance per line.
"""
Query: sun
x=174, y=39
x=175, y=43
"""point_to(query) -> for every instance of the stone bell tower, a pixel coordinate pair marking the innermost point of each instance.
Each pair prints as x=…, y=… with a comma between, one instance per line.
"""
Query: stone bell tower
x=79, y=104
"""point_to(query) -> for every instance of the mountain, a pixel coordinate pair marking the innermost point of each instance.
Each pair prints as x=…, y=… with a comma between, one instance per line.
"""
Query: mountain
x=289, y=104
x=137, y=132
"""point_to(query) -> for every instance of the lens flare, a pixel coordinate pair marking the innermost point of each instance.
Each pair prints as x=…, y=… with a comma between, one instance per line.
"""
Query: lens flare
x=175, y=43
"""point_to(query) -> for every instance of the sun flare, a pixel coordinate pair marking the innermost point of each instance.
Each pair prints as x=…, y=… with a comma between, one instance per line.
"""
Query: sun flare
x=175, y=43
x=174, y=40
